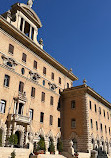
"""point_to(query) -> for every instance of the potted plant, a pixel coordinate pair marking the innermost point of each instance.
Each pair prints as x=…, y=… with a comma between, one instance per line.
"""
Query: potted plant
x=13, y=154
x=76, y=154
x=51, y=147
x=13, y=140
x=60, y=146
x=40, y=148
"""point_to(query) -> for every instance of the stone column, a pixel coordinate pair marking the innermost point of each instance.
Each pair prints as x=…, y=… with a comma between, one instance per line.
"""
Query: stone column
x=35, y=35
x=47, y=145
x=55, y=144
x=19, y=22
x=22, y=138
x=23, y=26
x=30, y=32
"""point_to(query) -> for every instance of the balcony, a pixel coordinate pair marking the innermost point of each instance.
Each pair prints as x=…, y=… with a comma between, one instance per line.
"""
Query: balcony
x=19, y=118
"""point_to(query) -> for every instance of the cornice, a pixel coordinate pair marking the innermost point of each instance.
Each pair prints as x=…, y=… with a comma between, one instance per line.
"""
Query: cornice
x=88, y=90
x=22, y=38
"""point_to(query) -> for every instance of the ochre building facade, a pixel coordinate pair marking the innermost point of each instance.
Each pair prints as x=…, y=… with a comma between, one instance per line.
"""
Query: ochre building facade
x=37, y=98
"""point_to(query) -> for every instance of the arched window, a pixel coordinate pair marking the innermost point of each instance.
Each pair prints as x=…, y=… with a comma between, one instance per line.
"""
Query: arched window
x=74, y=144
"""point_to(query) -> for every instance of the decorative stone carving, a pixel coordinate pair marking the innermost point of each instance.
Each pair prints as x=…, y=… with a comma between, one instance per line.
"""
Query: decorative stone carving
x=30, y=137
x=52, y=86
x=21, y=96
x=30, y=3
x=9, y=62
x=71, y=149
x=34, y=76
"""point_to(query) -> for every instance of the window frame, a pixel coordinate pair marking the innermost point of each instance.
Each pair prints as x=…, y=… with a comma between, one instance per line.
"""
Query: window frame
x=41, y=117
x=35, y=64
x=33, y=92
x=24, y=57
x=73, y=123
x=43, y=97
x=11, y=49
x=6, y=80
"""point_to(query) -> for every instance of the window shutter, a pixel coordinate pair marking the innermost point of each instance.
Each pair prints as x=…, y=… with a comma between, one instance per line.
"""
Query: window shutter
x=21, y=86
x=43, y=96
x=59, y=80
x=51, y=100
x=52, y=76
x=44, y=70
x=11, y=48
x=24, y=56
x=33, y=92
x=35, y=64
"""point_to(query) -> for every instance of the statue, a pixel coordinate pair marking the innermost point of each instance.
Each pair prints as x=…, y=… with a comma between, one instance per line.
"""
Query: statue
x=30, y=3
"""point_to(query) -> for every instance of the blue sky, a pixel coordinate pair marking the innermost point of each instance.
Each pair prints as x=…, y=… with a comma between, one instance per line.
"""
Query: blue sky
x=77, y=33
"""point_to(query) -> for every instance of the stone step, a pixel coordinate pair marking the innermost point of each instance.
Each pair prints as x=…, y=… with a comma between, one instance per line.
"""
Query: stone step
x=50, y=156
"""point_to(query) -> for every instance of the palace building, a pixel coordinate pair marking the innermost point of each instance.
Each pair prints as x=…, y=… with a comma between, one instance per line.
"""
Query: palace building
x=37, y=98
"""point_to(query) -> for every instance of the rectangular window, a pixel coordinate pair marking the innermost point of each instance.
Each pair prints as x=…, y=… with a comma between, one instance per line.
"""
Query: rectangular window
x=6, y=80
x=21, y=87
x=91, y=123
x=96, y=125
x=104, y=112
x=2, y=106
x=95, y=108
x=52, y=76
x=67, y=85
x=99, y=110
x=73, y=104
x=73, y=123
x=35, y=64
x=43, y=97
x=109, y=130
x=24, y=57
x=105, y=129
x=31, y=114
x=11, y=49
x=59, y=122
x=33, y=92
x=90, y=105
x=59, y=80
x=41, y=117
x=51, y=120
x=51, y=100
x=44, y=70
x=108, y=115
x=101, y=127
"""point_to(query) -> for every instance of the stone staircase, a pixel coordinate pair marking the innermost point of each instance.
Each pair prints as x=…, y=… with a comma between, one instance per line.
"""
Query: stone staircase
x=50, y=156
x=5, y=152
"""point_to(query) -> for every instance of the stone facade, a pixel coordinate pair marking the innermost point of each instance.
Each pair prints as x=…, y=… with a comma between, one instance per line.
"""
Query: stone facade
x=30, y=80
x=88, y=119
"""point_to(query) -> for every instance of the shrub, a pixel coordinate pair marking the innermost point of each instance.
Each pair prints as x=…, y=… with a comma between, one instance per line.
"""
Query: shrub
x=60, y=145
x=51, y=146
x=13, y=154
x=41, y=144
x=13, y=140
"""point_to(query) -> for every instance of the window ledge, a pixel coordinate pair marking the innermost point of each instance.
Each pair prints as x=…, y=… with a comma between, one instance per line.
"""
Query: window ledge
x=10, y=53
x=23, y=61
x=6, y=86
